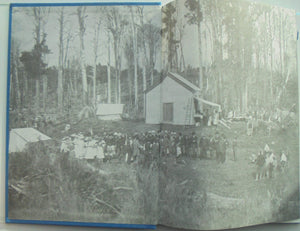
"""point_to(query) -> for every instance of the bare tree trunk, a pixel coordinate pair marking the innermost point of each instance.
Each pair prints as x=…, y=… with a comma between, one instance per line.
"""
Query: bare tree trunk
x=96, y=44
x=246, y=96
x=94, y=83
x=17, y=85
x=81, y=16
x=25, y=101
x=116, y=47
x=119, y=78
x=108, y=73
x=145, y=63
x=257, y=84
x=199, y=47
x=45, y=92
x=37, y=94
x=60, y=62
x=129, y=86
x=37, y=16
x=265, y=92
x=134, y=37
x=282, y=52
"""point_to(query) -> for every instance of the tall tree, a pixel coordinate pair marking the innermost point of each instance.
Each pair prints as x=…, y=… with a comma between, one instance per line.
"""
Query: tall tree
x=81, y=14
x=129, y=56
x=108, y=69
x=135, y=55
x=116, y=25
x=96, y=51
x=14, y=60
x=60, y=61
x=153, y=43
x=195, y=16
x=140, y=10
x=168, y=33
x=40, y=15
x=35, y=66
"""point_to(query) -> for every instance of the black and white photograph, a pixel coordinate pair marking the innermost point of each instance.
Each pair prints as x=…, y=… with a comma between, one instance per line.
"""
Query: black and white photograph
x=78, y=146
x=230, y=109
x=185, y=115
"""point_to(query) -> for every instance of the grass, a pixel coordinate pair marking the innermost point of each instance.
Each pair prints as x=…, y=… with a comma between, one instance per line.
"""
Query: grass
x=244, y=201
x=187, y=191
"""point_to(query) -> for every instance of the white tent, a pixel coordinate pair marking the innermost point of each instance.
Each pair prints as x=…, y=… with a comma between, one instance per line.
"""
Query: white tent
x=109, y=111
x=20, y=137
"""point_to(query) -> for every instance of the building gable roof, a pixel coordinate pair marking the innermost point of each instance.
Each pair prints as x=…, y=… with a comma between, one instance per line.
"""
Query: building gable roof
x=180, y=80
x=183, y=81
x=30, y=135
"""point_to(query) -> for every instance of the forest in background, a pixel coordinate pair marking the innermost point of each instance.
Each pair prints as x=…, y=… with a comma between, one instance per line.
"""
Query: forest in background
x=101, y=54
x=240, y=53
x=66, y=59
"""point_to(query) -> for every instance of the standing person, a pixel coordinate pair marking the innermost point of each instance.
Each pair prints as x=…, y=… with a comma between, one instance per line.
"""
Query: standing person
x=250, y=127
x=216, y=118
x=194, y=144
x=178, y=148
x=205, y=117
x=128, y=149
x=260, y=162
x=155, y=149
x=216, y=142
x=203, y=146
x=180, y=142
x=223, y=146
x=234, y=144
x=272, y=164
x=136, y=148
x=185, y=145
x=283, y=161
x=166, y=145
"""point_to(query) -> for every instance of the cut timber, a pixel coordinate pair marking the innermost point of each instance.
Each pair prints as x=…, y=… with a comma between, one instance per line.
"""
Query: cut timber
x=18, y=189
x=224, y=124
x=220, y=202
x=123, y=188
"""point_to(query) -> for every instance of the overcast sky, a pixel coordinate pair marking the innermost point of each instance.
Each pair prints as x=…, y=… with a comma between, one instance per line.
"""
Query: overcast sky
x=23, y=30
x=23, y=27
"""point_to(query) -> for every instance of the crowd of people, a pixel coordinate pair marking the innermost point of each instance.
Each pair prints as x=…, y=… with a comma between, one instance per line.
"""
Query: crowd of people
x=149, y=146
x=268, y=163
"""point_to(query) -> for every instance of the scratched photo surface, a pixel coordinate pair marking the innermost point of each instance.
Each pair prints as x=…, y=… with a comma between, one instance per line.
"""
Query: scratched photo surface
x=77, y=140
x=184, y=115
x=234, y=87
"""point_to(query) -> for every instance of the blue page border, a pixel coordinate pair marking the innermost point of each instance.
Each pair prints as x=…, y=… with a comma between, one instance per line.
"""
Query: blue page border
x=42, y=222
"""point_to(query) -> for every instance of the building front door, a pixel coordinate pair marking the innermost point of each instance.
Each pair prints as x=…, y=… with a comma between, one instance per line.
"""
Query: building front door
x=168, y=112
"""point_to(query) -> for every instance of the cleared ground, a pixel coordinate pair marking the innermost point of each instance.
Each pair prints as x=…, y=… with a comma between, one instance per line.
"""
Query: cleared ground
x=198, y=192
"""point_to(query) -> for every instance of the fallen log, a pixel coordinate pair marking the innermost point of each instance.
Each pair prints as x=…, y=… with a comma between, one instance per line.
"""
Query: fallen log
x=122, y=188
x=108, y=205
x=17, y=189
x=224, y=124
x=216, y=201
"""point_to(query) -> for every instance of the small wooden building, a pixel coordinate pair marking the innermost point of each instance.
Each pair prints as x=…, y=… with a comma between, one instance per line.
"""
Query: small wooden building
x=174, y=100
x=171, y=101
